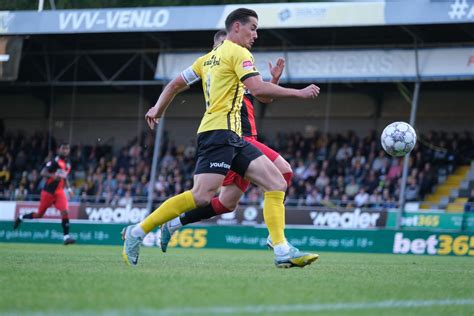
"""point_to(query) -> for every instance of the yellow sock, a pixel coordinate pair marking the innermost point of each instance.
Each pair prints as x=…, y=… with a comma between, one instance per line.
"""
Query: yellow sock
x=274, y=215
x=170, y=209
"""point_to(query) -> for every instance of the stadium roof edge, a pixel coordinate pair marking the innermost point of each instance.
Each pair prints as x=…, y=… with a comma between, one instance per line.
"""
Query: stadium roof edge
x=271, y=15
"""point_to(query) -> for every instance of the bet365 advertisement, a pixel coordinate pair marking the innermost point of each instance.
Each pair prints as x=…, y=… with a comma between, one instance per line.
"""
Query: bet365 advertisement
x=248, y=237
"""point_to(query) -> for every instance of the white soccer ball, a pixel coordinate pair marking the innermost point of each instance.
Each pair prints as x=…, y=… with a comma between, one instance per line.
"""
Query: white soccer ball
x=398, y=139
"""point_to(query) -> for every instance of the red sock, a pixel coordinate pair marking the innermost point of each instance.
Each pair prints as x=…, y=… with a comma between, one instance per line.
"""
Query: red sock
x=288, y=176
x=218, y=207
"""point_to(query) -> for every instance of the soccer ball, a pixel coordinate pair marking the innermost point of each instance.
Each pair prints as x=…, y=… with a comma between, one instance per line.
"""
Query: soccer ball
x=398, y=139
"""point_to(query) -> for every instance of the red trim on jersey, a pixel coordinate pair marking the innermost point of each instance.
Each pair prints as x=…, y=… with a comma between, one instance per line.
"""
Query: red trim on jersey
x=250, y=115
x=53, y=184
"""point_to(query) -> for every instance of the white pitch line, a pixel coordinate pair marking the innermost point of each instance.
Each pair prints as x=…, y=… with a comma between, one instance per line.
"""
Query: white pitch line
x=258, y=309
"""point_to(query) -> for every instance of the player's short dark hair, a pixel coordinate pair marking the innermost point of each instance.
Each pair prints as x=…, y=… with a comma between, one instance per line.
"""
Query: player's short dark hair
x=62, y=144
x=241, y=15
x=218, y=34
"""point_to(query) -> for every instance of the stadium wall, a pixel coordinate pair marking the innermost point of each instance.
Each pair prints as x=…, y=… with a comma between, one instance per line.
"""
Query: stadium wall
x=117, y=118
x=245, y=237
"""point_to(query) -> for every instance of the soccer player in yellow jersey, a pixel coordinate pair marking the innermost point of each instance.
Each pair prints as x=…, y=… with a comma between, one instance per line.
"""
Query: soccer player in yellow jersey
x=225, y=72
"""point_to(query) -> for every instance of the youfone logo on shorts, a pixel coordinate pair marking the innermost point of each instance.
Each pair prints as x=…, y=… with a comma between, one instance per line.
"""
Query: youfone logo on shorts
x=219, y=165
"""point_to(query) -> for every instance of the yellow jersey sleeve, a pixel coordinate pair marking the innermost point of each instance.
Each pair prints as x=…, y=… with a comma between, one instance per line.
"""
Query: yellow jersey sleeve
x=197, y=65
x=244, y=64
x=193, y=73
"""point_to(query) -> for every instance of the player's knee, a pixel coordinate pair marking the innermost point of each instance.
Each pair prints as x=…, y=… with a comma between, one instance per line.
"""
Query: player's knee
x=229, y=205
x=286, y=167
x=278, y=184
x=202, y=198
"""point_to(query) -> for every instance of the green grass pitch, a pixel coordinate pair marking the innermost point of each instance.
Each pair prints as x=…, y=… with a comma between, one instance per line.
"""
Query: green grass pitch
x=38, y=279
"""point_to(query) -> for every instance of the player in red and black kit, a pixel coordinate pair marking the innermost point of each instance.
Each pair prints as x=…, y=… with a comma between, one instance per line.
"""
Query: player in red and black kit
x=233, y=186
x=56, y=172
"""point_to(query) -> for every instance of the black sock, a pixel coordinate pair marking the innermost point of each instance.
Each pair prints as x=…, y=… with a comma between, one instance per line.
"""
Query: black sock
x=197, y=214
x=65, y=225
x=28, y=216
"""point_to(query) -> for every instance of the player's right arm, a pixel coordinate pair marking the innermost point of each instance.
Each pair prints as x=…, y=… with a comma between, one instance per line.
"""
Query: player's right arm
x=262, y=89
x=179, y=84
x=166, y=97
x=69, y=188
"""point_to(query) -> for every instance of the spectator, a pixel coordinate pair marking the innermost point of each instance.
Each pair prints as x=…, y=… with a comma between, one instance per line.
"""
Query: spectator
x=352, y=188
x=469, y=207
x=21, y=193
x=310, y=173
x=322, y=181
x=412, y=190
x=4, y=178
x=313, y=198
x=358, y=158
x=126, y=200
x=395, y=170
x=362, y=198
x=344, y=153
x=292, y=197
x=380, y=162
x=300, y=169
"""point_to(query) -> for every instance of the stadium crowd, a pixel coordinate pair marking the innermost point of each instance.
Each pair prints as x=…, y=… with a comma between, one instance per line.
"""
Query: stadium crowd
x=340, y=169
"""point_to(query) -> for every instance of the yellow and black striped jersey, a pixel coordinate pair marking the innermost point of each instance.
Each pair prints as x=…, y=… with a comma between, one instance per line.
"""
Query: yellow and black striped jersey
x=222, y=71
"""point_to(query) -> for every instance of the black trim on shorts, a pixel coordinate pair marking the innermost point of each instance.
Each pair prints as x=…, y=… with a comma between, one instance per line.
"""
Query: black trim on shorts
x=219, y=151
x=252, y=74
x=244, y=157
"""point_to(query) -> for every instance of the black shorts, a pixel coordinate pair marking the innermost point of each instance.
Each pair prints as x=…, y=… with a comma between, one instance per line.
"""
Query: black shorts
x=219, y=151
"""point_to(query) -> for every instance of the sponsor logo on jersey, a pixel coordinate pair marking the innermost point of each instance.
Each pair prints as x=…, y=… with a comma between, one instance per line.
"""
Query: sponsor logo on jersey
x=247, y=64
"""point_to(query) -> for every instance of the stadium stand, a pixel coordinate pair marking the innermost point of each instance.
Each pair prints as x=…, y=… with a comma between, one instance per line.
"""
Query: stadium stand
x=340, y=169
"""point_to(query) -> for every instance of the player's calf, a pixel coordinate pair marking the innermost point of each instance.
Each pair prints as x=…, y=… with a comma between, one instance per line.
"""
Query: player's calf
x=68, y=240
x=20, y=219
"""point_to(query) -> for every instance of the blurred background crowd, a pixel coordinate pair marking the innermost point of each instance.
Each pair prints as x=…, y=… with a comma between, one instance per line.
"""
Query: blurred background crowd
x=334, y=169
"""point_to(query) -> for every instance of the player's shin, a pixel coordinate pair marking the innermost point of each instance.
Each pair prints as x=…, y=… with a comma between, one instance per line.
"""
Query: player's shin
x=193, y=216
x=274, y=215
x=65, y=225
x=204, y=212
x=197, y=215
x=170, y=209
